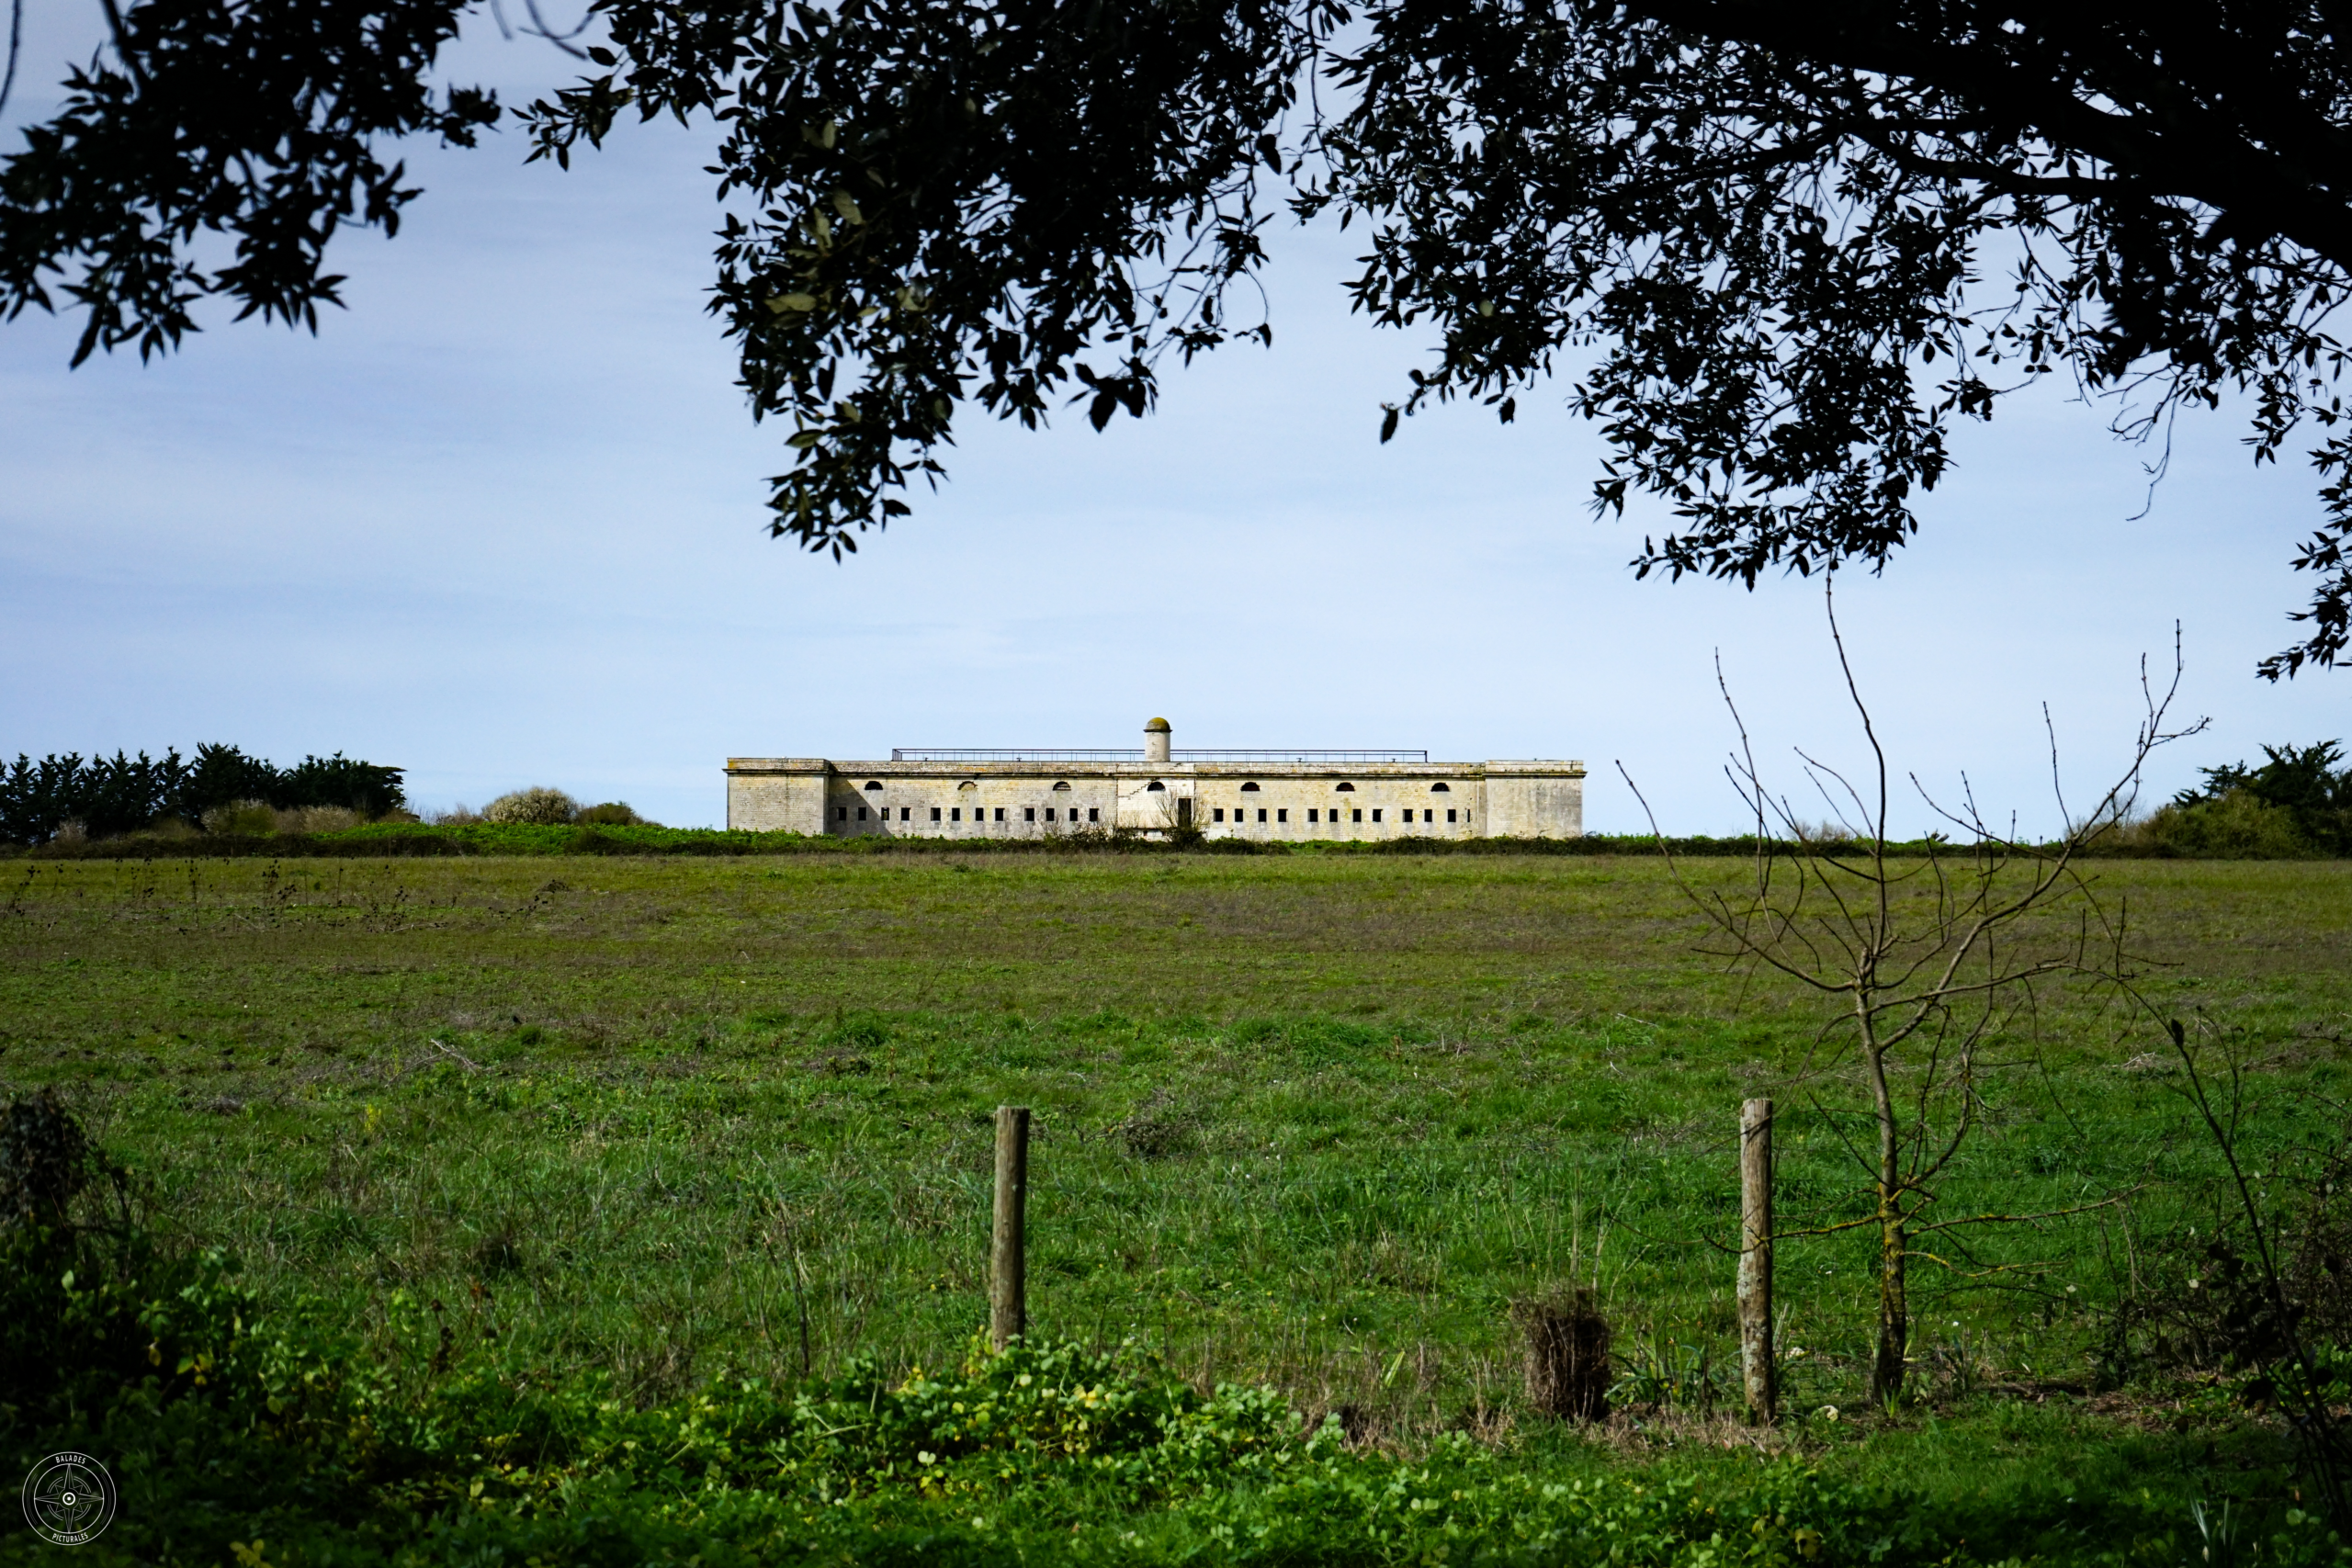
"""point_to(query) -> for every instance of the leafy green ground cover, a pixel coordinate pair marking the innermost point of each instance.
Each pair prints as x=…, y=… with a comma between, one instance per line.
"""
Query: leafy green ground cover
x=522, y=1169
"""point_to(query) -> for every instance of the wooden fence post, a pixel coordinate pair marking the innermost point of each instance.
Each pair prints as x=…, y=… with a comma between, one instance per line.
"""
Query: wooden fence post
x=1755, y=1364
x=1007, y=1263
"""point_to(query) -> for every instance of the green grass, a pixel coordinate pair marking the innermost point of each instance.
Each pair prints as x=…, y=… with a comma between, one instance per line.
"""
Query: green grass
x=422, y=840
x=1308, y=1120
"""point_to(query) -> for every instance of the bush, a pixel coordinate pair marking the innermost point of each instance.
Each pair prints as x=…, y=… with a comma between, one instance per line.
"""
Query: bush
x=536, y=806
x=2295, y=805
x=242, y=818
x=2237, y=826
x=612, y=814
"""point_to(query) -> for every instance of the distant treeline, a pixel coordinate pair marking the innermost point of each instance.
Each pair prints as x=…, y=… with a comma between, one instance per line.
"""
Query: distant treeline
x=109, y=797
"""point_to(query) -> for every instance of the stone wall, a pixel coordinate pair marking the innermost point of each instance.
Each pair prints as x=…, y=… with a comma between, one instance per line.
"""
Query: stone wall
x=777, y=794
x=1281, y=801
x=1534, y=800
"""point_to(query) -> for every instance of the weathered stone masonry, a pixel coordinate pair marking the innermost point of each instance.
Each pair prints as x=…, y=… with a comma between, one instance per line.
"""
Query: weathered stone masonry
x=1289, y=796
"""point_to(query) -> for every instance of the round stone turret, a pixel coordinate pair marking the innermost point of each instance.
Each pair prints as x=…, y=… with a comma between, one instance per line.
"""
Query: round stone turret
x=1155, y=740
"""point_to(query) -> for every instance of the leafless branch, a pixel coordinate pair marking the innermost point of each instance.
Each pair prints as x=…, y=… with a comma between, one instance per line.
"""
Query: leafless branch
x=1936, y=961
x=16, y=45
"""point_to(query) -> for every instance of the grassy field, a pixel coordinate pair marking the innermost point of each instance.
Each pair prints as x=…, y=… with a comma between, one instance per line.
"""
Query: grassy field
x=1305, y=1122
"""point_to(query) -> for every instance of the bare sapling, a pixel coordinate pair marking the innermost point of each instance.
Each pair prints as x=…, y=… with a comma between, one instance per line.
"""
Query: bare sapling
x=1932, y=958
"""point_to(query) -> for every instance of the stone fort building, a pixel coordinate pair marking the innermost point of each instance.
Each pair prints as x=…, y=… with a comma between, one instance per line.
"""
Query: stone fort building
x=1043, y=791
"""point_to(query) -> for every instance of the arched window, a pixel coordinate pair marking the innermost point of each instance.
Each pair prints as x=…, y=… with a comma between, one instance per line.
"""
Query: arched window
x=873, y=784
x=1348, y=788
x=1249, y=789
x=968, y=784
x=1155, y=784
x=1061, y=783
x=1440, y=789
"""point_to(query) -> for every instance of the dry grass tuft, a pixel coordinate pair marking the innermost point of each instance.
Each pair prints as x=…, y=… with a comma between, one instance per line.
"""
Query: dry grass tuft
x=1567, y=1355
x=1157, y=1129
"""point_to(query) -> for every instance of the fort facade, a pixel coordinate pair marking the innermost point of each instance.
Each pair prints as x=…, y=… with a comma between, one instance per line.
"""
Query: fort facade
x=1012, y=793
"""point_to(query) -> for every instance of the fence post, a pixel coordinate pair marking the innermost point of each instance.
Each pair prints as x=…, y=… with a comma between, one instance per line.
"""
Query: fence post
x=1755, y=1364
x=1007, y=1263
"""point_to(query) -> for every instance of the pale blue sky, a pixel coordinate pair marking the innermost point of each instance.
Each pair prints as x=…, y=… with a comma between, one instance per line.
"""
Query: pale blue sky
x=499, y=524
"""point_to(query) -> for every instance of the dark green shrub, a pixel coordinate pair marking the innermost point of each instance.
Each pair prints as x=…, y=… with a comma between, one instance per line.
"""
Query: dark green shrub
x=2236, y=826
x=613, y=814
x=2297, y=804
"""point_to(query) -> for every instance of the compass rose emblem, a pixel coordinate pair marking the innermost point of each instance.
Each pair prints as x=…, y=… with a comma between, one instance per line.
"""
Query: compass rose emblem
x=69, y=1499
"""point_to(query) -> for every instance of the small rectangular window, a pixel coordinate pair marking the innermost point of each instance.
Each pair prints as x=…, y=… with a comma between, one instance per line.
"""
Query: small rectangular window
x=934, y=814
x=1355, y=813
x=1219, y=815
x=841, y=813
x=1049, y=813
x=1310, y=814
x=1375, y=814
x=861, y=814
x=1262, y=813
x=1028, y=814
x=955, y=814
x=1000, y=813
x=1449, y=814
x=1282, y=814
x=1093, y=813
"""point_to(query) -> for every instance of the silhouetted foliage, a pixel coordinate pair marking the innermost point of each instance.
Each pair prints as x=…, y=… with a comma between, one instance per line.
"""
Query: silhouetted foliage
x=256, y=121
x=109, y=796
x=1787, y=247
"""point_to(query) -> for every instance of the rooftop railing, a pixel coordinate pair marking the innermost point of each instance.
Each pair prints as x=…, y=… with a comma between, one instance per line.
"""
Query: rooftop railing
x=1135, y=754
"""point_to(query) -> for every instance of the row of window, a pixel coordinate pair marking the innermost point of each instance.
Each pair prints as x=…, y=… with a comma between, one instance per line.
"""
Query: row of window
x=955, y=814
x=1094, y=813
x=1438, y=788
x=1355, y=813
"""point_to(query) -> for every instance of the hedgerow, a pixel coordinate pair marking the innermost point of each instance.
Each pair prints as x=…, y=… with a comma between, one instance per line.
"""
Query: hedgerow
x=405, y=840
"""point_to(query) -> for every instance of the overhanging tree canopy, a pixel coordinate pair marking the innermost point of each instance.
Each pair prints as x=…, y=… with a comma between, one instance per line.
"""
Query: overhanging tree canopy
x=1775, y=249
